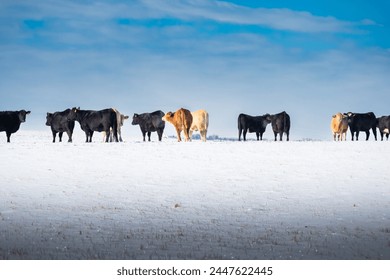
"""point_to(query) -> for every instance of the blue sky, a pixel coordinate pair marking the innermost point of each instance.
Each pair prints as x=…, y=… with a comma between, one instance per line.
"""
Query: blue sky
x=309, y=58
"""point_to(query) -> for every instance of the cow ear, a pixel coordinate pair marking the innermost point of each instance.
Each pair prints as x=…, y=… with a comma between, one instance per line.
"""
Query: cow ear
x=333, y=116
x=28, y=112
x=126, y=117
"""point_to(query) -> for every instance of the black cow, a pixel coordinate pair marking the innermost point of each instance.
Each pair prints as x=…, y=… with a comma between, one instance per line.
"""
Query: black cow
x=280, y=124
x=252, y=124
x=91, y=121
x=10, y=121
x=384, y=126
x=150, y=122
x=361, y=122
x=59, y=122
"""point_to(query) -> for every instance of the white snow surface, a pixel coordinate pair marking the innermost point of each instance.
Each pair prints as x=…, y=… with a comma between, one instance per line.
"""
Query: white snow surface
x=193, y=200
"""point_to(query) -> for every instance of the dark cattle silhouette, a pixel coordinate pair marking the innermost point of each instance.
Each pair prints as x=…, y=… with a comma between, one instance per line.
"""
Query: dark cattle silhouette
x=361, y=122
x=59, y=123
x=120, y=119
x=10, y=121
x=384, y=126
x=150, y=122
x=280, y=124
x=91, y=121
x=257, y=124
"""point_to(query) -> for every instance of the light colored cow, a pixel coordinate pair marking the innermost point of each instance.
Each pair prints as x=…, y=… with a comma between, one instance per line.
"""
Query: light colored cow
x=339, y=126
x=120, y=118
x=181, y=120
x=200, y=122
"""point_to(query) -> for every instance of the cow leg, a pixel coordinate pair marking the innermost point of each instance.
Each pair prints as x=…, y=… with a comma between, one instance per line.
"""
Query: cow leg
x=204, y=135
x=149, y=133
x=288, y=135
x=357, y=135
x=381, y=133
x=90, y=136
x=108, y=136
x=374, y=132
x=186, y=134
x=367, y=135
x=387, y=136
x=119, y=134
x=69, y=136
x=239, y=134
x=258, y=136
x=281, y=136
x=178, y=135
x=54, y=136
x=60, y=136
x=190, y=133
x=8, y=137
x=159, y=133
x=244, y=133
x=143, y=135
x=276, y=135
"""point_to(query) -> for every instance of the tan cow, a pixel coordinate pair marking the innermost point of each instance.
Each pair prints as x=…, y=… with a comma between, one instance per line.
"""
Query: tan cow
x=200, y=122
x=181, y=120
x=339, y=126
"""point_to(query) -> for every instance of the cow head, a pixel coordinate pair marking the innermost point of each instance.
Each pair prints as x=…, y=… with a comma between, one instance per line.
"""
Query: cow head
x=49, y=118
x=136, y=119
x=267, y=118
x=168, y=116
x=73, y=113
x=122, y=119
x=350, y=116
x=22, y=115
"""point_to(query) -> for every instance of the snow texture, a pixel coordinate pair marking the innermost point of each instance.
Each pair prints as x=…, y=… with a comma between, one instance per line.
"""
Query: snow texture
x=213, y=200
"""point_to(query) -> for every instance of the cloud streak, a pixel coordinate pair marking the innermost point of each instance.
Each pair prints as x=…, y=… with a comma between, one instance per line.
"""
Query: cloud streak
x=279, y=19
x=219, y=11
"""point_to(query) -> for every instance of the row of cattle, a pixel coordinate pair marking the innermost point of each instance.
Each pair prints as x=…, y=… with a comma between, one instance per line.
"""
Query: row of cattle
x=359, y=122
x=110, y=121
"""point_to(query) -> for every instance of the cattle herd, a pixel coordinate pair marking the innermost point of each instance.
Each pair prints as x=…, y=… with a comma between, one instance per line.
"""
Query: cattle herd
x=109, y=121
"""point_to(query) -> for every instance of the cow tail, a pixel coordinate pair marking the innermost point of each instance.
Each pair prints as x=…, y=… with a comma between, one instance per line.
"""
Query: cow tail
x=115, y=126
x=284, y=122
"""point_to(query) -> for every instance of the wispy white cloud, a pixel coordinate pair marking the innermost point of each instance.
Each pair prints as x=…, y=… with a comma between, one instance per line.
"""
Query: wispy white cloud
x=280, y=19
x=220, y=11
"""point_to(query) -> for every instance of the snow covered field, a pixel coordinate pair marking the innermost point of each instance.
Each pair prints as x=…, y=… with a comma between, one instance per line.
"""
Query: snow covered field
x=214, y=200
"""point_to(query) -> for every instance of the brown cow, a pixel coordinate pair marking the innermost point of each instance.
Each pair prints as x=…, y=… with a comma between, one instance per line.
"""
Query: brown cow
x=181, y=120
x=339, y=126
